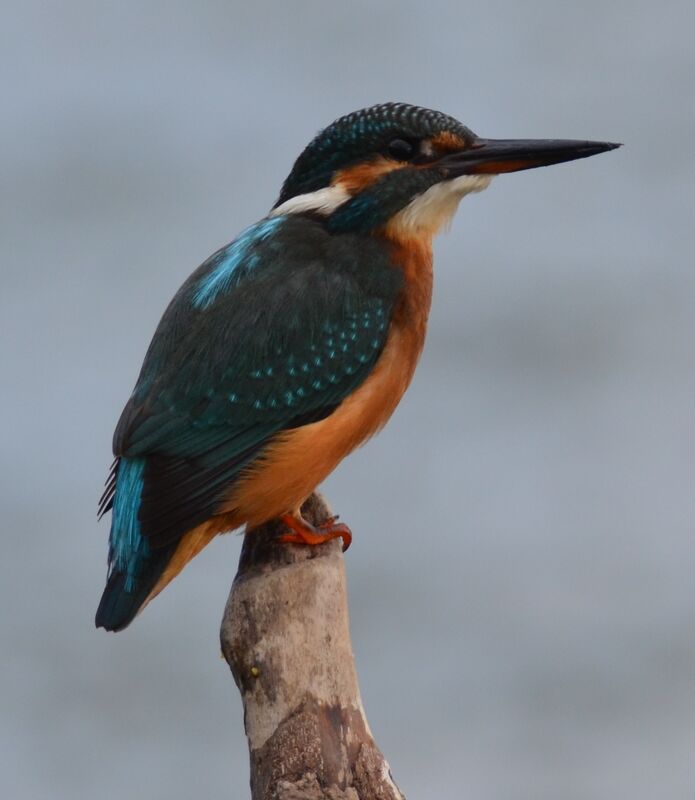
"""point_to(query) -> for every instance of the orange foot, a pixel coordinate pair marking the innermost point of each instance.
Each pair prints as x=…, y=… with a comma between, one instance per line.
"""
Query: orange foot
x=302, y=532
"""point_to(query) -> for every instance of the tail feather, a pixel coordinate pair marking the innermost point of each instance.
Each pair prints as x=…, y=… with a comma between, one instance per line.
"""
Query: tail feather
x=134, y=568
x=138, y=570
x=126, y=594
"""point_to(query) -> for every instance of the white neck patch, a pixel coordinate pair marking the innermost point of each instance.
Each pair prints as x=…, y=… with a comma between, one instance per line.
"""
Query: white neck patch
x=322, y=201
x=425, y=214
x=430, y=211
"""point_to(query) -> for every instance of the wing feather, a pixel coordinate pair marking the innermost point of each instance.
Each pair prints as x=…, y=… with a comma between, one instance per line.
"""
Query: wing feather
x=263, y=337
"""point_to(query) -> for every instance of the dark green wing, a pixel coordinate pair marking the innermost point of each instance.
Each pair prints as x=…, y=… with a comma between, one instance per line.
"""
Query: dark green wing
x=271, y=333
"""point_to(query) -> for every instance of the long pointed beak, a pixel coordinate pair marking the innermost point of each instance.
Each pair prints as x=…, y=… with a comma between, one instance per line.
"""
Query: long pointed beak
x=495, y=156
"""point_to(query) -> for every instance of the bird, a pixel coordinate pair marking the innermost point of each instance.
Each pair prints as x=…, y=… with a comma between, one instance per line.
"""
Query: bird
x=292, y=345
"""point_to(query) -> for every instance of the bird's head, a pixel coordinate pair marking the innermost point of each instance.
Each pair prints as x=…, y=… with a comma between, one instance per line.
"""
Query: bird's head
x=405, y=169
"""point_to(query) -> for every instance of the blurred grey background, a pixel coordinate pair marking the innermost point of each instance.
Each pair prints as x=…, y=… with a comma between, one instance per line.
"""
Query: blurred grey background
x=522, y=595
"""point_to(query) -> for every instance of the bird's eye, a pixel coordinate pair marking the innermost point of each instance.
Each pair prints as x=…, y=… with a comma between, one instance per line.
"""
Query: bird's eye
x=400, y=149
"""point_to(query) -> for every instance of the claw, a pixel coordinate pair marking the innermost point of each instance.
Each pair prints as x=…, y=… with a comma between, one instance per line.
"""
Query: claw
x=302, y=532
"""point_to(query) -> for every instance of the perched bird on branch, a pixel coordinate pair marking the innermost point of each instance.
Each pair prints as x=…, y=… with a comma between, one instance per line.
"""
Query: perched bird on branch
x=292, y=345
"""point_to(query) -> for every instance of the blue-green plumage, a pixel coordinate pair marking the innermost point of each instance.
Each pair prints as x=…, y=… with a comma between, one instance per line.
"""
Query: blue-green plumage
x=129, y=547
x=229, y=265
x=272, y=332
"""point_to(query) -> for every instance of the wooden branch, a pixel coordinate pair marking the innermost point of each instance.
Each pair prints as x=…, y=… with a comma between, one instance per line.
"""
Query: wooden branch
x=286, y=638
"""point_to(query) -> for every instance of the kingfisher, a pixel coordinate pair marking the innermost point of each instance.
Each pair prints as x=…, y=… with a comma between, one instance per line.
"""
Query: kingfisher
x=293, y=345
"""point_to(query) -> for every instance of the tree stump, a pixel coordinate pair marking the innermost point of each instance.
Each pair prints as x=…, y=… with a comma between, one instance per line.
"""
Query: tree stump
x=286, y=638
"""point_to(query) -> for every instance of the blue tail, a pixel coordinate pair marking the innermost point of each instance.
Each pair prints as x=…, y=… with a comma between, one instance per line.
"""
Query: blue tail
x=134, y=568
x=124, y=595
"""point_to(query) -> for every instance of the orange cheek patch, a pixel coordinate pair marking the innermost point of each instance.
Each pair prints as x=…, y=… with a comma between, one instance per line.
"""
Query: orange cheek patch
x=447, y=142
x=358, y=177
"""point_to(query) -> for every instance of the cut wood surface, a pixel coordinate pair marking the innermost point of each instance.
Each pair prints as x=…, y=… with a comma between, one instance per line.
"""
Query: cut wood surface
x=285, y=635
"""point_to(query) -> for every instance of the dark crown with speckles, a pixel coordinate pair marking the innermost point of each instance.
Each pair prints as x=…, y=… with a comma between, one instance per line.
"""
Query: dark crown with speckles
x=358, y=136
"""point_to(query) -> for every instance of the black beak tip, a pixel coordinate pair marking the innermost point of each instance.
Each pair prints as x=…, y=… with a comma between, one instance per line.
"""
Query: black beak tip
x=584, y=149
x=606, y=146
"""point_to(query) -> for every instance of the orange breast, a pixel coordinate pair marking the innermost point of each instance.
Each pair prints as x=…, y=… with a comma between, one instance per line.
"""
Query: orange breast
x=300, y=459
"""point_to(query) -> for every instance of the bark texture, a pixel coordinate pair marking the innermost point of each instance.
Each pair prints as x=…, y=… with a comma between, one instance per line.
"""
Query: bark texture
x=286, y=638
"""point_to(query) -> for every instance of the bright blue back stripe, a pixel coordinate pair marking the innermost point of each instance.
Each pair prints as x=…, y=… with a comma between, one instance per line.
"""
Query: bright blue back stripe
x=230, y=259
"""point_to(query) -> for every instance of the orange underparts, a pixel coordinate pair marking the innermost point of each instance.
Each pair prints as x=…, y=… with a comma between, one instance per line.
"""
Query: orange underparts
x=302, y=532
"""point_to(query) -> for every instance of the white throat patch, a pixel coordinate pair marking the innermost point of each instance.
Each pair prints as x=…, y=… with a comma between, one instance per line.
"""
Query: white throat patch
x=430, y=211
